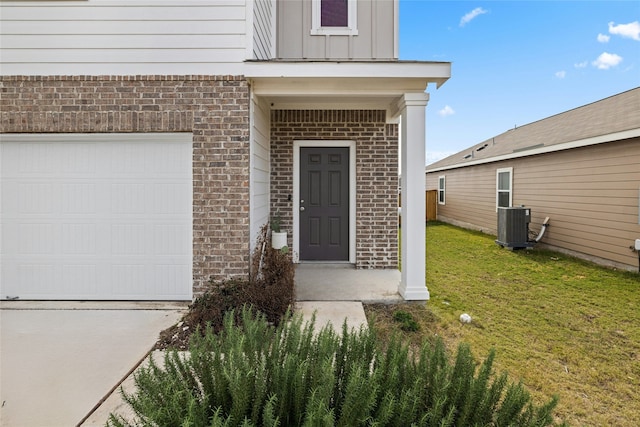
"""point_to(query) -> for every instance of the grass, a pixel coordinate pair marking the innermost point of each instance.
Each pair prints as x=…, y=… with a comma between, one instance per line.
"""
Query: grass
x=562, y=326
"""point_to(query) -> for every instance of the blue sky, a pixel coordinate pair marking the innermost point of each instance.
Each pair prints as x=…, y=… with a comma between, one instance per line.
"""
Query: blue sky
x=516, y=62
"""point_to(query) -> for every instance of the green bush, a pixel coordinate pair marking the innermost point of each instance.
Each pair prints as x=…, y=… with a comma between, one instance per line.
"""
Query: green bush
x=406, y=320
x=257, y=374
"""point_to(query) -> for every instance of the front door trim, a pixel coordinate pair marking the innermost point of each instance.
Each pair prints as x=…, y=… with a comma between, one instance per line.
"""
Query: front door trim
x=352, y=192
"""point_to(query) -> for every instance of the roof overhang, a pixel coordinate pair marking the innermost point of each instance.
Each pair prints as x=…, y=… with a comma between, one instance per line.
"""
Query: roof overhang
x=586, y=142
x=342, y=85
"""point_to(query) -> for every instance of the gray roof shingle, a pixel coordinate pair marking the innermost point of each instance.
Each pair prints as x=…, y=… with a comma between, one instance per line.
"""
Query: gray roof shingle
x=614, y=114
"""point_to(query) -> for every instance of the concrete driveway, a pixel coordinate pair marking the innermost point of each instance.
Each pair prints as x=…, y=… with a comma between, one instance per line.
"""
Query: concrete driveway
x=59, y=360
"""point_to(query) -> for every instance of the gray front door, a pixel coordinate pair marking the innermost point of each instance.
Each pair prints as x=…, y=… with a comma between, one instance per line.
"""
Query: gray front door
x=324, y=203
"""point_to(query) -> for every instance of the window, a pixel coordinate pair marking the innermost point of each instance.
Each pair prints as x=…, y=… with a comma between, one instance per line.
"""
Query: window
x=503, y=187
x=334, y=13
x=334, y=17
x=441, y=190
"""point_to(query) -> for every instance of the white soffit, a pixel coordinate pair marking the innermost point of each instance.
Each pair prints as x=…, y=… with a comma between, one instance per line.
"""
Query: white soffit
x=329, y=84
x=339, y=85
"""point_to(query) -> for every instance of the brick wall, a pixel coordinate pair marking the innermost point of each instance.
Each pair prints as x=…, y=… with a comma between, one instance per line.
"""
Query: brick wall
x=214, y=108
x=376, y=173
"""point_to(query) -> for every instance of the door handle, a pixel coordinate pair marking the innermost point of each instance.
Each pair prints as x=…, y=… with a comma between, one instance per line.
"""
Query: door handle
x=301, y=208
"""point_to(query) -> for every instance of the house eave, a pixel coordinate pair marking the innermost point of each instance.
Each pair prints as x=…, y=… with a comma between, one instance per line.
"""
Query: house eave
x=601, y=139
x=426, y=71
x=342, y=85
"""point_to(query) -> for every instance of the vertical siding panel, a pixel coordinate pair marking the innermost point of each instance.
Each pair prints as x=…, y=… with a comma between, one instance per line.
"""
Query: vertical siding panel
x=262, y=29
x=376, y=39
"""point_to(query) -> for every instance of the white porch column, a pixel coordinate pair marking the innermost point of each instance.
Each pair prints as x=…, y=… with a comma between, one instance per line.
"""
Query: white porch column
x=412, y=132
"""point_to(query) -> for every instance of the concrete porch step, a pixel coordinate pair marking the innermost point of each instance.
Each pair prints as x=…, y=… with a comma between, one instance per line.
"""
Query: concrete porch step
x=343, y=282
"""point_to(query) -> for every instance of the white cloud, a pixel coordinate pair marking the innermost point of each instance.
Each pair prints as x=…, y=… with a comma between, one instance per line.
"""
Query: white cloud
x=561, y=74
x=446, y=111
x=607, y=60
x=631, y=30
x=603, y=38
x=472, y=15
x=581, y=64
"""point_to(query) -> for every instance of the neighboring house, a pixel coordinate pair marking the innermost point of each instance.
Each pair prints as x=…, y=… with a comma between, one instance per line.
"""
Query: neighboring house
x=580, y=168
x=145, y=142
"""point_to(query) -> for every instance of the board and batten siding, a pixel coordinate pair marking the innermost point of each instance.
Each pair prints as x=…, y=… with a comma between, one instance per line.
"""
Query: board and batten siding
x=376, y=38
x=264, y=15
x=98, y=37
x=591, y=195
x=259, y=167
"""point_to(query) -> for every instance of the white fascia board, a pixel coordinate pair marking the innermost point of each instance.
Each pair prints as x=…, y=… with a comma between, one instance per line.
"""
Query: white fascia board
x=430, y=72
x=601, y=139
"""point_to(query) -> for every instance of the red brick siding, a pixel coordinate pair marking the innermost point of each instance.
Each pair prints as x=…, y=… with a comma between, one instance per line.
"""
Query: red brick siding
x=376, y=173
x=214, y=108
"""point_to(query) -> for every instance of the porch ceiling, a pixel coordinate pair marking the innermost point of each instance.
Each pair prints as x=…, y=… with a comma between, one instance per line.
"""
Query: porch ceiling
x=349, y=85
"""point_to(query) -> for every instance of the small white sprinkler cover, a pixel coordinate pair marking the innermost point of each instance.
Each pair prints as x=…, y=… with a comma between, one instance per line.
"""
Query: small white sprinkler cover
x=465, y=318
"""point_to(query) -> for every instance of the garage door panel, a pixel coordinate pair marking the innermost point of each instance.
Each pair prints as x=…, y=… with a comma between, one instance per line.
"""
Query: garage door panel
x=79, y=158
x=79, y=198
x=100, y=217
x=171, y=198
x=170, y=239
x=80, y=276
x=128, y=198
x=79, y=239
x=129, y=239
x=36, y=159
x=35, y=198
x=35, y=239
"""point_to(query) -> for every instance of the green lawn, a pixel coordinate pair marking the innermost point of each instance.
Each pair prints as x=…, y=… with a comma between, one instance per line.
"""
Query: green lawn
x=561, y=325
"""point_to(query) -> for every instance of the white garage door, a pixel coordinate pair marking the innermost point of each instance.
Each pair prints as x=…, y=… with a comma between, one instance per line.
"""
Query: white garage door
x=96, y=217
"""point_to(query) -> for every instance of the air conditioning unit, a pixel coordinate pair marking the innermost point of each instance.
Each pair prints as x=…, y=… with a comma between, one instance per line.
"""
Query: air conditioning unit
x=513, y=228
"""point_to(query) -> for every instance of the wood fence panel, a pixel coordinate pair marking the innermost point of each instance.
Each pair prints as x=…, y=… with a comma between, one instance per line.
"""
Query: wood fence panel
x=431, y=199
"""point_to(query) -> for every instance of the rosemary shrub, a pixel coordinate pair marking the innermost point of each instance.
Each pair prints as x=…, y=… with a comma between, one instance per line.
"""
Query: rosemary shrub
x=256, y=374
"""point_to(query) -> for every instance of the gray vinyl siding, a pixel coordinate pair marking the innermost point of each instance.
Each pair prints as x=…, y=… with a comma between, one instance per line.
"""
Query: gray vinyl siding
x=263, y=37
x=377, y=33
x=123, y=37
x=591, y=195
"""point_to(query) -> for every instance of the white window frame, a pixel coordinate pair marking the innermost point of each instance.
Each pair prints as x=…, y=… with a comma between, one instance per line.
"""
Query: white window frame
x=318, y=30
x=498, y=191
x=442, y=180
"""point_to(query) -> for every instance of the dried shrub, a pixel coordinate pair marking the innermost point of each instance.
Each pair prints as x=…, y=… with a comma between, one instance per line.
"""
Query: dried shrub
x=270, y=290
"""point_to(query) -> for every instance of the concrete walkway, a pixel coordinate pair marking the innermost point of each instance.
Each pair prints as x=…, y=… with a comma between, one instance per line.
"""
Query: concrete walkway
x=335, y=292
x=58, y=360
x=92, y=346
x=332, y=292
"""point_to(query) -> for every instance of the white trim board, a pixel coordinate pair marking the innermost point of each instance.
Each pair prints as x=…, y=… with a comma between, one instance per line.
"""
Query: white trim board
x=352, y=192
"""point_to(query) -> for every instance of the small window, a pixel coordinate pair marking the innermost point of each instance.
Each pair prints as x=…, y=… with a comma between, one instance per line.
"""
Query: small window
x=441, y=187
x=334, y=13
x=504, y=182
x=334, y=17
